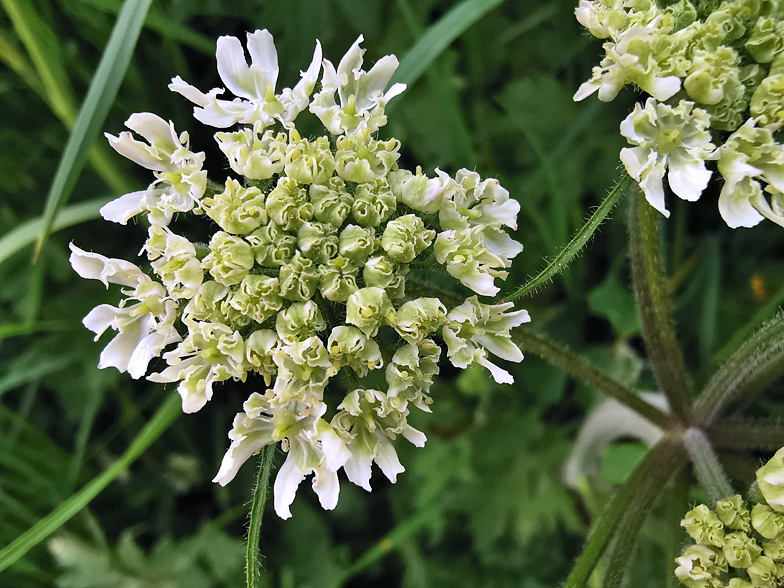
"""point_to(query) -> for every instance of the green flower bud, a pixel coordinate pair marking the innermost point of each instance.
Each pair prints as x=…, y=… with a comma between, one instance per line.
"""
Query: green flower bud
x=373, y=203
x=350, y=346
x=309, y=162
x=770, y=480
x=418, y=191
x=338, y=279
x=410, y=374
x=237, y=210
x=369, y=308
x=299, y=321
x=700, y=566
x=205, y=304
x=766, y=40
x=156, y=242
x=774, y=549
x=257, y=298
x=357, y=243
x=230, y=259
x=299, y=278
x=739, y=583
x=288, y=204
x=728, y=113
x=416, y=319
x=763, y=572
x=733, y=513
x=318, y=241
x=766, y=521
x=331, y=202
x=359, y=158
x=712, y=73
x=260, y=348
x=406, y=237
x=179, y=269
x=702, y=524
x=272, y=247
x=767, y=102
x=253, y=156
x=740, y=549
x=382, y=272
x=304, y=369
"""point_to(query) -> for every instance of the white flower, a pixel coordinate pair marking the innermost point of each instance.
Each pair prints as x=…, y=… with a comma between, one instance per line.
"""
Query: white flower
x=673, y=140
x=143, y=329
x=253, y=84
x=361, y=94
x=472, y=329
x=469, y=259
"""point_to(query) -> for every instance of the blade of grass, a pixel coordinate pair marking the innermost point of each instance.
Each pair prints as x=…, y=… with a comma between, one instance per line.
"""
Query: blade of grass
x=710, y=303
x=100, y=96
x=26, y=233
x=26, y=328
x=161, y=421
x=438, y=37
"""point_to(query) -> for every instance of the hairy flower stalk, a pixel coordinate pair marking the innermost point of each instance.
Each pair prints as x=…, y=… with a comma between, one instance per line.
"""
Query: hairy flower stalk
x=708, y=67
x=303, y=278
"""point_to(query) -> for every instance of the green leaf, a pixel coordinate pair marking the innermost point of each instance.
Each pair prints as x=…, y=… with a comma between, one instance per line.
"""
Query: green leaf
x=100, y=97
x=26, y=233
x=614, y=302
x=438, y=37
x=161, y=421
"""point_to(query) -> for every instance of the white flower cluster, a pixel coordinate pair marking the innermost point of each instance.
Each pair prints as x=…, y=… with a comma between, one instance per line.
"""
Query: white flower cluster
x=716, y=67
x=306, y=275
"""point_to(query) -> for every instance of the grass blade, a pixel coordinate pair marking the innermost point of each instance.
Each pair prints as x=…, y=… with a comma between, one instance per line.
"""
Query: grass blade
x=100, y=97
x=438, y=37
x=26, y=233
x=161, y=421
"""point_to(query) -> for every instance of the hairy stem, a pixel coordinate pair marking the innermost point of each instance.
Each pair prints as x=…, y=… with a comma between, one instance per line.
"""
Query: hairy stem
x=573, y=364
x=707, y=467
x=743, y=434
x=252, y=565
x=658, y=328
x=579, y=240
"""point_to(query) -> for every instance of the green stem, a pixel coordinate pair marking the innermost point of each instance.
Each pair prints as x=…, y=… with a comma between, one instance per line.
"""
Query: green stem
x=252, y=565
x=658, y=328
x=677, y=505
x=573, y=364
x=747, y=434
x=707, y=467
x=161, y=421
x=579, y=240
x=758, y=362
x=638, y=494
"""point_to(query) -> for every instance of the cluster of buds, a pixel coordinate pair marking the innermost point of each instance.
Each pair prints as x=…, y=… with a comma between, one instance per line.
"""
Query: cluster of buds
x=740, y=544
x=310, y=272
x=715, y=75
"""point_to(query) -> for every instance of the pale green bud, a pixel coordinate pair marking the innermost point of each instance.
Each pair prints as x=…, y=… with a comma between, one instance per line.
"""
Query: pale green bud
x=309, y=162
x=712, y=73
x=700, y=566
x=156, y=242
x=416, y=319
x=373, y=203
x=360, y=158
x=766, y=40
x=410, y=374
x=702, y=524
x=733, y=513
x=179, y=269
x=257, y=298
x=766, y=521
x=370, y=308
x=318, y=241
x=763, y=572
x=357, y=243
x=740, y=549
x=205, y=304
x=406, y=237
x=728, y=113
x=770, y=480
x=350, y=346
x=299, y=278
x=384, y=273
x=299, y=321
x=338, y=279
x=331, y=202
x=418, y=191
x=739, y=583
x=272, y=247
x=230, y=259
x=774, y=549
x=767, y=102
x=288, y=204
x=260, y=348
x=237, y=210
x=255, y=156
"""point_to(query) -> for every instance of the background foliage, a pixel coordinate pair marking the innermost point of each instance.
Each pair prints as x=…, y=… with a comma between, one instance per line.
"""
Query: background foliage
x=483, y=504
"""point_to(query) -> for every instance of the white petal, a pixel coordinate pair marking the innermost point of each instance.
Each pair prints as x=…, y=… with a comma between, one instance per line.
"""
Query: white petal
x=286, y=483
x=664, y=88
x=263, y=55
x=500, y=346
x=736, y=208
x=388, y=461
x=327, y=487
x=234, y=71
x=689, y=180
x=189, y=92
x=653, y=187
x=100, y=318
x=499, y=375
x=121, y=209
x=358, y=469
x=120, y=349
x=482, y=284
x=154, y=129
x=240, y=451
x=136, y=151
x=94, y=266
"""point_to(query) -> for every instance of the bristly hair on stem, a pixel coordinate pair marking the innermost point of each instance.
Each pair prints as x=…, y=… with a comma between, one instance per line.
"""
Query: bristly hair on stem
x=252, y=564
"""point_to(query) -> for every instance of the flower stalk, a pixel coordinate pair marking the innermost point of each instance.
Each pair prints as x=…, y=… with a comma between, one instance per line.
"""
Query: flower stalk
x=252, y=553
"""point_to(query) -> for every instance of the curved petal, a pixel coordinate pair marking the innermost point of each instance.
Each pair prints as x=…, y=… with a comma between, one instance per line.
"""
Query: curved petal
x=689, y=180
x=327, y=487
x=735, y=204
x=263, y=55
x=234, y=71
x=121, y=209
x=286, y=483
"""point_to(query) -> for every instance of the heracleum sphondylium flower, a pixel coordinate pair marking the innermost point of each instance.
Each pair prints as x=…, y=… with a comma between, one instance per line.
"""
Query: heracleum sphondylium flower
x=306, y=275
x=711, y=68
